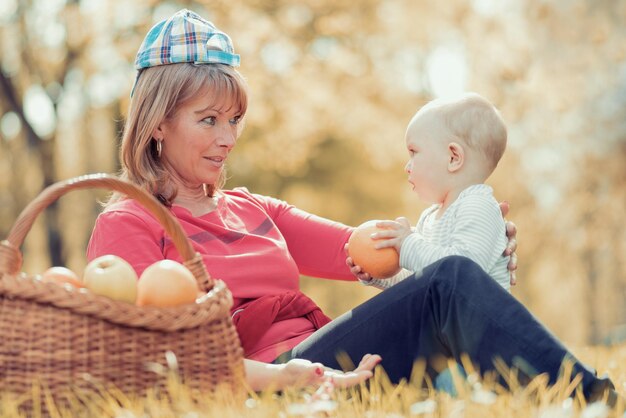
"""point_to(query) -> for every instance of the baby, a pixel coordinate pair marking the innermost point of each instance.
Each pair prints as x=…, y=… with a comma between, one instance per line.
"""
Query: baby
x=454, y=145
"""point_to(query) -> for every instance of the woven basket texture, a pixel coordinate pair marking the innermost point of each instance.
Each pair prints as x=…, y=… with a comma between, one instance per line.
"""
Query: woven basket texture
x=69, y=339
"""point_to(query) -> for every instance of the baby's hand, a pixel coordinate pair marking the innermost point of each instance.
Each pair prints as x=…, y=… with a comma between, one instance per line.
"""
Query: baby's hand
x=394, y=233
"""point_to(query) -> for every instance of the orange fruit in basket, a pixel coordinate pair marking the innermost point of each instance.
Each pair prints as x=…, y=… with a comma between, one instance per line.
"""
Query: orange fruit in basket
x=379, y=263
x=62, y=275
x=166, y=283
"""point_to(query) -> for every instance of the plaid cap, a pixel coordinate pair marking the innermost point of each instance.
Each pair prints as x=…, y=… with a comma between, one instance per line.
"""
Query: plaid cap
x=185, y=37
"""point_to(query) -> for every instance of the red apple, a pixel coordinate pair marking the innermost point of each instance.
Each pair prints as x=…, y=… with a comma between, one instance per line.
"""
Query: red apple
x=166, y=283
x=111, y=276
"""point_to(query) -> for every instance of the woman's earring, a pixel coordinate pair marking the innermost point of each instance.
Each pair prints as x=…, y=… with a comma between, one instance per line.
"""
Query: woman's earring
x=159, y=146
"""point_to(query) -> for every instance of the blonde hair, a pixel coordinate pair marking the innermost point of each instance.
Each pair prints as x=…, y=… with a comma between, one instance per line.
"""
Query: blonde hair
x=159, y=92
x=475, y=122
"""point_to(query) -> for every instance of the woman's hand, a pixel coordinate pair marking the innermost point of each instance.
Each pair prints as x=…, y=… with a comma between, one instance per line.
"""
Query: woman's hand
x=511, y=247
x=393, y=235
x=302, y=373
x=362, y=372
x=356, y=270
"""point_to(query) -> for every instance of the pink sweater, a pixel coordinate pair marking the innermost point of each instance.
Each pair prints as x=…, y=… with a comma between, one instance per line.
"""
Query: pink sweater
x=258, y=245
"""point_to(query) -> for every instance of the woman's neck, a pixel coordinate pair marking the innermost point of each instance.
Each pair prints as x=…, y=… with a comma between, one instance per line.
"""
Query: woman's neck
x=195, y=200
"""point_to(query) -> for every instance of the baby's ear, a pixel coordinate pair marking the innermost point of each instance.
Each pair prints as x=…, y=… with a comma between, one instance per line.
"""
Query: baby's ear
x=456, y=156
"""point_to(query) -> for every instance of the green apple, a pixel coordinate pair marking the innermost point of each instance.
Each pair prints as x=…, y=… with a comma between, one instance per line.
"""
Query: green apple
x=113, y=277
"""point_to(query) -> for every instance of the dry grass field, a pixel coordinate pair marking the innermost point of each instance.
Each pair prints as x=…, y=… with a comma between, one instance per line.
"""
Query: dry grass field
x=476, y=398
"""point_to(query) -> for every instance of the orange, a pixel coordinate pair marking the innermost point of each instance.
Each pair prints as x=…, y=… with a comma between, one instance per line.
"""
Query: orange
x=166, y=283
x=379, y=263
x=61, y=275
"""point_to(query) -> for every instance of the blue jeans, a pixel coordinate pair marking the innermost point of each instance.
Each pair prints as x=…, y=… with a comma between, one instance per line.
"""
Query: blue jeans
x=452, y=309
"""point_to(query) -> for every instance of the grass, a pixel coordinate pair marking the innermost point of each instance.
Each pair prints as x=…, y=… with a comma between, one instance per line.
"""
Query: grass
x=475, y=398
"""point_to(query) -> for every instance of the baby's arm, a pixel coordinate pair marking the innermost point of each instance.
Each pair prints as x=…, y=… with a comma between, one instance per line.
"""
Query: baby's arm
x=478, y=224
x=379, y=283
x=368, y=280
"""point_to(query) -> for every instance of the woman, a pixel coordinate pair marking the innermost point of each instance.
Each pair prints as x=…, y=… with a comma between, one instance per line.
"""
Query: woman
x=185, y=116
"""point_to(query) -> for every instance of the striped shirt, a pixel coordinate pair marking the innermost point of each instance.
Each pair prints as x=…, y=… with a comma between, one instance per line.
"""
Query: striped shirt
x=472, y=227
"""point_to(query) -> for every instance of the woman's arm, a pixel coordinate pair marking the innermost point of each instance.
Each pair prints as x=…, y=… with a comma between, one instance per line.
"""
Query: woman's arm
x=315, y=243
x=136, y=239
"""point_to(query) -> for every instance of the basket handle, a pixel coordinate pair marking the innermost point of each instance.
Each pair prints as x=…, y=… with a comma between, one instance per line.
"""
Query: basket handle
x=11, y=258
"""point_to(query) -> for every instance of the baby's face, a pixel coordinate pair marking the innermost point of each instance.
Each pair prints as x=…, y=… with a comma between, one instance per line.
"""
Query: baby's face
x=426, y=142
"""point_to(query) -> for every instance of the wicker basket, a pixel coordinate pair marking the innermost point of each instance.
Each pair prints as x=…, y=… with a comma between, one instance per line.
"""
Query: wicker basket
x=69, y=339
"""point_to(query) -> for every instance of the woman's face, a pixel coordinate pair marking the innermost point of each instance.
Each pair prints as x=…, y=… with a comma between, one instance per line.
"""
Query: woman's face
x=198, y=139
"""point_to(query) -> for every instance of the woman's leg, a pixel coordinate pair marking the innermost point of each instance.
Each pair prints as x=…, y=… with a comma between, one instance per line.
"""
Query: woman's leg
x=453, y=308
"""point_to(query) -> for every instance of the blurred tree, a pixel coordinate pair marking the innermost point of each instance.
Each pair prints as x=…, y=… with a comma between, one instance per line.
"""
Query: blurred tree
x=62, y=63
x=37, y=76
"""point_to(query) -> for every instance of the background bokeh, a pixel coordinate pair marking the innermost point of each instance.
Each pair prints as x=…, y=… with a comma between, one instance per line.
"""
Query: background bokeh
x=334, y=83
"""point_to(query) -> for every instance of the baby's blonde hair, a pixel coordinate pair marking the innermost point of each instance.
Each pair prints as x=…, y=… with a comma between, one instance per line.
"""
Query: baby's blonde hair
x=160, y=91
x=475, y=122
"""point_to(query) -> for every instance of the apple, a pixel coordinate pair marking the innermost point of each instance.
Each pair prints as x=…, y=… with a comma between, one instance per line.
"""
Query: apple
x=166, y=283
x=379, y=263
x=111, y=276
x=62, y=275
